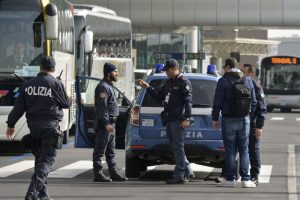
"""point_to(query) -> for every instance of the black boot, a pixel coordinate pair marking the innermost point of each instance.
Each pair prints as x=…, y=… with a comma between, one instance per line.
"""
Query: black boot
x=174, y=180
x=100, y=177
x=115, y=176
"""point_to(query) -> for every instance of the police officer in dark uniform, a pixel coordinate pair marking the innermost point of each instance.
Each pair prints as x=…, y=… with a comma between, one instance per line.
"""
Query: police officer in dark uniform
x=42, y=98
x=107, y=111
x=176, y=95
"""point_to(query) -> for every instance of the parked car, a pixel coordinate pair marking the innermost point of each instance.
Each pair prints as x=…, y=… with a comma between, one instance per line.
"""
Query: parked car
x=146, y=143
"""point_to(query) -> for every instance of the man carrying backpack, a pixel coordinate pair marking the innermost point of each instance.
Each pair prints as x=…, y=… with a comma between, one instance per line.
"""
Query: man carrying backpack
x=236, y=102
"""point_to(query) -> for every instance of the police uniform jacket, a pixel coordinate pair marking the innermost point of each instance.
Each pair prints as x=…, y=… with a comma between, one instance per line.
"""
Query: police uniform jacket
x=261, y=108
x=176, y=96
x=106, y=105
x=224, y=94
x=42, y=98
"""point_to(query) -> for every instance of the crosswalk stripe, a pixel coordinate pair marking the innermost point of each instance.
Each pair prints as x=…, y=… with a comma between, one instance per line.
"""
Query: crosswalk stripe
x=72, y=170
x=16, y=168
x=297, y=119
x=277, y=118
x=265, y=174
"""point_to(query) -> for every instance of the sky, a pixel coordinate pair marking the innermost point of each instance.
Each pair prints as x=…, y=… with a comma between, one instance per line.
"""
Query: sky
x=275, y=33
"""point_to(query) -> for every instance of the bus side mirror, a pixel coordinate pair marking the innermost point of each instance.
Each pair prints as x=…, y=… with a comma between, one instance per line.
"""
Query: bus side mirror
x=37, y=34
x=51, y=22
x=257, y=72
x=88, y=41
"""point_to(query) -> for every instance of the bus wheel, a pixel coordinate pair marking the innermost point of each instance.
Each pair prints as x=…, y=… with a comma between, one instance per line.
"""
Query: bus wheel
x=269, y=109
x=285, y=109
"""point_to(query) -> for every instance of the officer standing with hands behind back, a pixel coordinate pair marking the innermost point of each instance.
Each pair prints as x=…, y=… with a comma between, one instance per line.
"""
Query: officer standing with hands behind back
x=106, y=111
x=177, y=97
x=42, y=98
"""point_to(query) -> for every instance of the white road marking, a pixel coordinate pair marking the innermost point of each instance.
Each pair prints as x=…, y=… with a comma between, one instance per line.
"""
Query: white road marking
x=16, y=168
x=291, y=173
x=298, y=119
x=72, y=170
x=265, y=174
x=277, y=118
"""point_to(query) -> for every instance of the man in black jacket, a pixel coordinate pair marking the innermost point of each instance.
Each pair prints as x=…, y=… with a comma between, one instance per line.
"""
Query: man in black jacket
x=256, y=125
x=42, y=98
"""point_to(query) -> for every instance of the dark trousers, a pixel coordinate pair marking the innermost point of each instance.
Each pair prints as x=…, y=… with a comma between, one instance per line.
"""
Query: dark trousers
x=43, y=149
x=104, y=145
x=175, y=135
x=254, y=153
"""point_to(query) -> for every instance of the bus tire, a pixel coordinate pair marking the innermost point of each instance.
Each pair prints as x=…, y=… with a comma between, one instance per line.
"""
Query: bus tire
x=269, y=109
x=133, y=167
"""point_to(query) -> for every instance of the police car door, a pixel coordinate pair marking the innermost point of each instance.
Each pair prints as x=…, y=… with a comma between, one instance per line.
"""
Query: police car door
x=84, y=131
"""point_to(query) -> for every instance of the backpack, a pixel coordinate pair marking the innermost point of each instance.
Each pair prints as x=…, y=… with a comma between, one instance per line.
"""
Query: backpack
x=241, y=100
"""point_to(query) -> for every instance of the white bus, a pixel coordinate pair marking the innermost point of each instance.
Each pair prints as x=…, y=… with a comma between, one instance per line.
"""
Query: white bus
x=280, y=79
x=111, y=43
x=25, y=30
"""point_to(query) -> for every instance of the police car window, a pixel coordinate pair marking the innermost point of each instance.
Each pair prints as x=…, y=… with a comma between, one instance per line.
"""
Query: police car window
x=203, y=93
x=120, y=98
x=148, y=100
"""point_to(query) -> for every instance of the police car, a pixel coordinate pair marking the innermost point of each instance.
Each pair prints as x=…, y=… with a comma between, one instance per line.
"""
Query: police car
x=146, y=143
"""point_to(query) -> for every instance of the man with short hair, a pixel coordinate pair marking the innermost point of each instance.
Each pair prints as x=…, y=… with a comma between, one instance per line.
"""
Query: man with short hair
x=42, y=98
x=256, y=125
x=106, y=111
x=177, y=97
x=235, y=130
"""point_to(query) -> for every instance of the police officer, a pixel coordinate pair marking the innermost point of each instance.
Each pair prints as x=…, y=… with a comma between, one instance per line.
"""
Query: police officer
x=107, y=111
x=42, y=98
x=177, y=97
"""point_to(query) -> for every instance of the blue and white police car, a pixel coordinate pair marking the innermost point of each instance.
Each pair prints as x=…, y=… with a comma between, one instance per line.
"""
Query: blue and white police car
x=146, y=143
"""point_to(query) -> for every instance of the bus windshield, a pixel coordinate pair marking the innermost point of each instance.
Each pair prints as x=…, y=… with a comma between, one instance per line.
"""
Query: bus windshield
x=282, y=76
x=18, y=54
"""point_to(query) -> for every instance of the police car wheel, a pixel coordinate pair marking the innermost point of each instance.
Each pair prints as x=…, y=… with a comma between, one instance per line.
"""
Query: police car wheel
x=133, y=167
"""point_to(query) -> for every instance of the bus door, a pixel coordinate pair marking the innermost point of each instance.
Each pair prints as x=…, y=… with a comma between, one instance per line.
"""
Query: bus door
x=85, y=132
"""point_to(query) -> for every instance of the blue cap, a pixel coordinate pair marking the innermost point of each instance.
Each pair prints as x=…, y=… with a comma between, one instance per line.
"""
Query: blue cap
x=108, y=68
x=211, y=69
x=170, y=63
x=159, y=67
x=48, y=62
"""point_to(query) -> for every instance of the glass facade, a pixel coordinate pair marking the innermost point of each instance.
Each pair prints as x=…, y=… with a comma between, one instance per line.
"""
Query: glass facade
x=147, y=45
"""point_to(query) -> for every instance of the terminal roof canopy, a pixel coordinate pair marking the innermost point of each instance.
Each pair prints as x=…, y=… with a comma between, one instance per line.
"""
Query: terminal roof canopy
x=223, y=47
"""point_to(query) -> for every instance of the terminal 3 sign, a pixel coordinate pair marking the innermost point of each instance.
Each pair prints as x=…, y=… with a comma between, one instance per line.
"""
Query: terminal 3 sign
x=179, y=56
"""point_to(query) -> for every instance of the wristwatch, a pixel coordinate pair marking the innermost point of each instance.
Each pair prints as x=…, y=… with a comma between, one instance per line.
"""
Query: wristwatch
x=188, y=119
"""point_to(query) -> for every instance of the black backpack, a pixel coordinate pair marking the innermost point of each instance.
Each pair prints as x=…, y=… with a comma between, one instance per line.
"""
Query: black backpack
x=241, y=100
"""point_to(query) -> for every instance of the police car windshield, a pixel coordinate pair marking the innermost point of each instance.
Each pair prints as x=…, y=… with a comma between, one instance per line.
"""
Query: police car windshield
x=203, y=93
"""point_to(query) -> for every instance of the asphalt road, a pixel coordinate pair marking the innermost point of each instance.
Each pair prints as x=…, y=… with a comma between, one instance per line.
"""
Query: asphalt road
x=72, y=175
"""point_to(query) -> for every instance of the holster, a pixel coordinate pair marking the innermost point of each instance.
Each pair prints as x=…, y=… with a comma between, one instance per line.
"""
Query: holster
x=27, y=141
x=163, y=118
x=60, y=138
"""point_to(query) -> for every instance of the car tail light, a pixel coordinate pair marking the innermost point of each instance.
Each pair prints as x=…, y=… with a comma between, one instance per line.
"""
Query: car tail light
x=221, y=148
x=135, y=116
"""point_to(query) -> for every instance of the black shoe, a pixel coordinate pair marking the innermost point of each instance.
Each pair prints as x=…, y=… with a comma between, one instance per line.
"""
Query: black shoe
x=100, y=177
x=254, y=180
x=174, y=181
x=115, y=176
